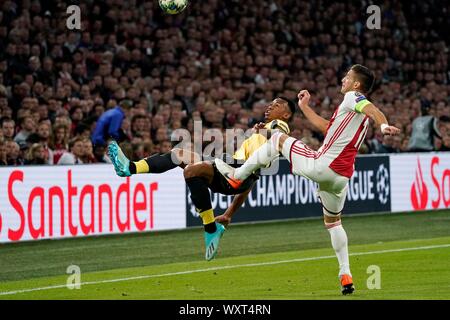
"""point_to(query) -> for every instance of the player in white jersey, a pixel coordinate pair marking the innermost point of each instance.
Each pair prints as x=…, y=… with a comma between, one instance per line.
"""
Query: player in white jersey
x=333, y=164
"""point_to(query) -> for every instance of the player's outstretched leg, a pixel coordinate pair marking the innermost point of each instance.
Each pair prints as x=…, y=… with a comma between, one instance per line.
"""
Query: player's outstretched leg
x=157, y=163
x=260, y=158
x=340, y=245
x=197, y=178
x=119, y=160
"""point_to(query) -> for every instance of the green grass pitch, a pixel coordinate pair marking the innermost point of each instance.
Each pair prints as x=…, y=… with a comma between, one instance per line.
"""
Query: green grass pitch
x=277, y=260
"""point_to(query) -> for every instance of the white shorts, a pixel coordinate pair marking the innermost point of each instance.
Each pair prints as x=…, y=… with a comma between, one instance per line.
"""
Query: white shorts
x=304, y=162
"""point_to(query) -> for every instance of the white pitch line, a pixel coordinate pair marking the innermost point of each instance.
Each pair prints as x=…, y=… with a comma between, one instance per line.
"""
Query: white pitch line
x=223, y=268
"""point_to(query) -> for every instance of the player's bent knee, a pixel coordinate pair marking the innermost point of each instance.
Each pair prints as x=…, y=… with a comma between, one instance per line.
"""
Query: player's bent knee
x=332, y=222
x=331, y=218
x=189, y=171
x=328, y=219
x=196, y=170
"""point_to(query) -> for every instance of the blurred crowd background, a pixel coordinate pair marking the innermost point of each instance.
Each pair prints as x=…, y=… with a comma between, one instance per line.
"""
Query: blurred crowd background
x=221, y=62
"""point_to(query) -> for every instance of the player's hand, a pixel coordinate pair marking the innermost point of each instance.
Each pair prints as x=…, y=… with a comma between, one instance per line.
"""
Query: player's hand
x=391, y=131
x=223, y=219
x=303, y=98
x=258, y=127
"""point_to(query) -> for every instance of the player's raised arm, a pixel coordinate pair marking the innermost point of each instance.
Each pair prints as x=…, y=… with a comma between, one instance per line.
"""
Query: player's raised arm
x=380, y=119
x=319, y=122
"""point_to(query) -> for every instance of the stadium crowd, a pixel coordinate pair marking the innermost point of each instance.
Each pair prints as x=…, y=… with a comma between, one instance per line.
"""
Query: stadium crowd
x=220, y=62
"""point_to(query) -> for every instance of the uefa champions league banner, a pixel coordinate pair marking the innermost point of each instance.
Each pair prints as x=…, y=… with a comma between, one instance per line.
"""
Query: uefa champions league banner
x=420, y=181
x=284, y=196
x=42, y=202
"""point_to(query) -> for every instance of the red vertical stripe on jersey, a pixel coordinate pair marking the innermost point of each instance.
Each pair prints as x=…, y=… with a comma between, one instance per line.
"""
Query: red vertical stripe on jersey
x=338, y=132
x=344, y=162
x=290, y=156
x=363, y=134
x=331, y=121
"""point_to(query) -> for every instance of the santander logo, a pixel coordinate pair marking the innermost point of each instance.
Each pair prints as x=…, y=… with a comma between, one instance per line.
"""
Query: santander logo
x=419, y=190
x=438, y=189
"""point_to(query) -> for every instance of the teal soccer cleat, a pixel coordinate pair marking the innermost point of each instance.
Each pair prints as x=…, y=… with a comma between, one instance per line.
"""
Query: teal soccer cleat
x=119, y=160
x=212, y=241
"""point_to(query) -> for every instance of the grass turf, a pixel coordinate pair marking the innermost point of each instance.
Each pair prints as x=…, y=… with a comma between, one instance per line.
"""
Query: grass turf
x=417, y=274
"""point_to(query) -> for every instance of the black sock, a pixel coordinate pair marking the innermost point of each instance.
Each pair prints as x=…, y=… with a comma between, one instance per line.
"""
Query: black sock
x=132, y=167
x=201, y=199
x=159, y=163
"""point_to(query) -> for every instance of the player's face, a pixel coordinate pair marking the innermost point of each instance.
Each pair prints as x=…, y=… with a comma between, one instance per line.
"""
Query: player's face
x=348, y=82
x=277, y=109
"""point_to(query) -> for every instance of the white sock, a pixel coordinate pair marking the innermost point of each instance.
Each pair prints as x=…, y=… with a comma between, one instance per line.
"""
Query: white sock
x=260, y=158
x=340, y=246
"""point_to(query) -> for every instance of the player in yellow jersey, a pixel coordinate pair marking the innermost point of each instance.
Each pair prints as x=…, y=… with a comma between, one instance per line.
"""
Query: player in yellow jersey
x=201, y=175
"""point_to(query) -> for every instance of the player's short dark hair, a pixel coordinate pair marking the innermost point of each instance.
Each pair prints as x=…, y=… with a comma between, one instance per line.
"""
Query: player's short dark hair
x=365, y=77
x=291, y=105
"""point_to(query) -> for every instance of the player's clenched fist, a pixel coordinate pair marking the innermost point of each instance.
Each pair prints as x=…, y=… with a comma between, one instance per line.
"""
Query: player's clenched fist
x=390, y=130
x=303, y=98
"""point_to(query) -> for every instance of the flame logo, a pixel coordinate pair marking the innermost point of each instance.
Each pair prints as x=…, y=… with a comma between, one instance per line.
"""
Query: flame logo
x=419, y=190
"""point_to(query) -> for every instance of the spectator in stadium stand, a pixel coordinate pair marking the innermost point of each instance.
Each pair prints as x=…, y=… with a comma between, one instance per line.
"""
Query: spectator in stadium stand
x=8, y=127
x=444, y=128
x=36, y=154
x=109, y=124
x=28, y=126
x=88, y=152
x=76, y=115
x=3, y=160
x=44, y=134
x=13, y=150
x=75, y=154
x=424, y=131
x=445, y=144
x=387, y=145
x=139, y=53
x=165, y=146
x=100, y=154
x=83, y=130
x=60, y=140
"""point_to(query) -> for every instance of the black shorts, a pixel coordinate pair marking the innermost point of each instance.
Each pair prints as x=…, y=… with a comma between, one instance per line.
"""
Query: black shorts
x=220, y=185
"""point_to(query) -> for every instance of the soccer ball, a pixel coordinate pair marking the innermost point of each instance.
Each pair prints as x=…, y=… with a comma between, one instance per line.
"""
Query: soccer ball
x=173, y=6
